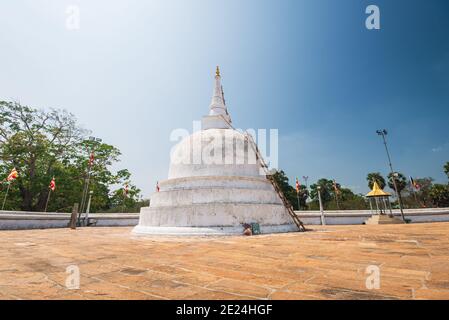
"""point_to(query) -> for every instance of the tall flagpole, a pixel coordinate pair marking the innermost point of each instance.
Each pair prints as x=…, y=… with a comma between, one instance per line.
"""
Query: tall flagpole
x=336, y=199
x=383, y=133
x=414, y=191
x=297, y=195
x=336, y=194
x=48, y=199
x=6, y=195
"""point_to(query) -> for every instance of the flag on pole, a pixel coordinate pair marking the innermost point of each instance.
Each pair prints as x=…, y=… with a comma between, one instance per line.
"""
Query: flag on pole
x=13, y=175
x=157, y=186
x=91, y=159
x=52, y=185
x=125, y=190
x=336, y=189
x=414, y=184
x=298, y=185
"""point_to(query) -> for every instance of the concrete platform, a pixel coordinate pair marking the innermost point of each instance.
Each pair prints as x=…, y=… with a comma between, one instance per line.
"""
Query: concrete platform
x=327, y=263
x=383, y=219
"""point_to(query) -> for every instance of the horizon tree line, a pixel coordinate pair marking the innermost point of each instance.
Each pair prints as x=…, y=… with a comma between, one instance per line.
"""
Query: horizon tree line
x=413, y=193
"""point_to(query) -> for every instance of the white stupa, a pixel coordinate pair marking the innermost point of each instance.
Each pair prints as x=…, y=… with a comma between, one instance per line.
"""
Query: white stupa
x=214, y=184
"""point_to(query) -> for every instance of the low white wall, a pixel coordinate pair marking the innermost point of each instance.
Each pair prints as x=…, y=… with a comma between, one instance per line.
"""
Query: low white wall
x=15, y=220
x=347, y=217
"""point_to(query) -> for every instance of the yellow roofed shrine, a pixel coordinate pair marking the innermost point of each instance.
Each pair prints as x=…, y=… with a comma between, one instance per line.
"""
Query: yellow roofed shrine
x=377, y=191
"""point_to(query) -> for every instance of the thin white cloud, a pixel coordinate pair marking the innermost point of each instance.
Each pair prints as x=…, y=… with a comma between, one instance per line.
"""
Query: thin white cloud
x=440, y=148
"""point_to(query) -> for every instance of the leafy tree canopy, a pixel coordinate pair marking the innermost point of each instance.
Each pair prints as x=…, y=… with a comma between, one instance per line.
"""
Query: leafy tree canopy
x=375, y=176
x=45, y=144
x=439, y=194
x=400, y=179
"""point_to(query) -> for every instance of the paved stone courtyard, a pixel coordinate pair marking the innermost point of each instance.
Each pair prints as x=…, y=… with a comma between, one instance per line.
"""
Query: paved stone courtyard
x=326, y=263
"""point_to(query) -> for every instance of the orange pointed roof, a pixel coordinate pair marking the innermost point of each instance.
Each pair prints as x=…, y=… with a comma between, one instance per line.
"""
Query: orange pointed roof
x=377, y=191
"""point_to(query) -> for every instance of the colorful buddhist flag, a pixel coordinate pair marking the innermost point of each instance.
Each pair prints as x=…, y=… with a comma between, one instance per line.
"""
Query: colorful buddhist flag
x=13, y=175
x=125, y=190
x=91, y=159
x=52, y=185
x=414, y=184
x=336, y=188
x=298, y=186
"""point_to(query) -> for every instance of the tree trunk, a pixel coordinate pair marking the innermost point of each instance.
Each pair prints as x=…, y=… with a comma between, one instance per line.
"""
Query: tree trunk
x=41, y=200
x=27, y=200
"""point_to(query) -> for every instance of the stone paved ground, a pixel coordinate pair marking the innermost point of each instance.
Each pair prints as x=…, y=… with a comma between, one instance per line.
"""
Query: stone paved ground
x=326, y=263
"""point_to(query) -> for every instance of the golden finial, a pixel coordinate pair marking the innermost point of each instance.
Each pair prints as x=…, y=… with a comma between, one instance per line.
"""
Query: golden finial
x=218, y=71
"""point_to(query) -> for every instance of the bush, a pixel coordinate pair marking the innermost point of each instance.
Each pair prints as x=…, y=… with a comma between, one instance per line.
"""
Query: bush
x=439, y=194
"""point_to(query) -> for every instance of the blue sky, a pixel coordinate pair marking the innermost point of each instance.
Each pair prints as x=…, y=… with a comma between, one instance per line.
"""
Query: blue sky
x=136, y=70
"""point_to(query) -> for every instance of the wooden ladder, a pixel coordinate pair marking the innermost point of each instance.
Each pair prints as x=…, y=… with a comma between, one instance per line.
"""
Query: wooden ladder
x=278, y=190
x=270, y=178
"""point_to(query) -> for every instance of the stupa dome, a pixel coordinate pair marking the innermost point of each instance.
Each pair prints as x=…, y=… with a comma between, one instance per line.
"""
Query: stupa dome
x=214, y=152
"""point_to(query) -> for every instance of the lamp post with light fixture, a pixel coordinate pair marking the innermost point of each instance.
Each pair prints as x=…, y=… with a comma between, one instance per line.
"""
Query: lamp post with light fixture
x=383, y=133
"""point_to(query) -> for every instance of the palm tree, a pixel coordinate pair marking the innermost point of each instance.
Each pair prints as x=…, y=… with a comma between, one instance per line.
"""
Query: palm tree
x=375, y=176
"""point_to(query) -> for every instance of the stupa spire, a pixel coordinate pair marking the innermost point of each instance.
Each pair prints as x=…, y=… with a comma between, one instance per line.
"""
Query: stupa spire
x=217, y=105
x=218, y=117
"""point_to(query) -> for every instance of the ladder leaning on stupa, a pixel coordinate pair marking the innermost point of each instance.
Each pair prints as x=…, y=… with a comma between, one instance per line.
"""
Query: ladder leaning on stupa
x=278, y=190
x=273, y=182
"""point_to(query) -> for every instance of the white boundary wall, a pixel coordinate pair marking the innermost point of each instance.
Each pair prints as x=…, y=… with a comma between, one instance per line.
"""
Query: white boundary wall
x=348, y=217
x=15, y=220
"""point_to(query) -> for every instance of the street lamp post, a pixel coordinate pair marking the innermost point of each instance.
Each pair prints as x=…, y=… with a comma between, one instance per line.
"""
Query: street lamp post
x=323, y=222
x=383, y=133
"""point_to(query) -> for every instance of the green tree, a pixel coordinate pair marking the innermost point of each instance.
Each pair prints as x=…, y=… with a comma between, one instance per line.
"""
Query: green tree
x=401, y=184
x=289, y=192
x=35, y=142
x=122, y=201
x=351, y=201
x=42, y=145
x=347, y=200
x=400, y=179
x=327, y=191
x=439, y=194
x=419, y=198
x=375, y=176
x=303, y=195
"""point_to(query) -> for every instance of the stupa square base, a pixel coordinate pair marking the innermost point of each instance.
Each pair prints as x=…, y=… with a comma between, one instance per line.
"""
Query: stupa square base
x=206, y=231
x=213, y=219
